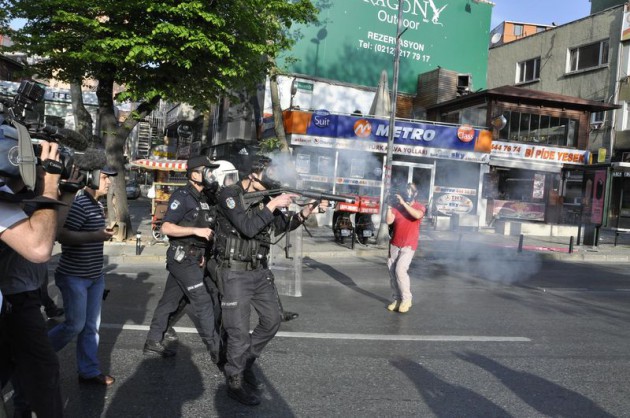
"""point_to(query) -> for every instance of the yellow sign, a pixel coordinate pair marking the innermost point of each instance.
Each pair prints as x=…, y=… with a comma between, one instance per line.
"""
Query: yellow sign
x=601, y=155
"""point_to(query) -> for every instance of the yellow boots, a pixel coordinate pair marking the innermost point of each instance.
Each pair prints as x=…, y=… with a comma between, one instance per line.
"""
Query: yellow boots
x=402, y=307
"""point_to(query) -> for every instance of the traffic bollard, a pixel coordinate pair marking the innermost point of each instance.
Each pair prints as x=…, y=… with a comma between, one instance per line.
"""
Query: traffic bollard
x=138, y=243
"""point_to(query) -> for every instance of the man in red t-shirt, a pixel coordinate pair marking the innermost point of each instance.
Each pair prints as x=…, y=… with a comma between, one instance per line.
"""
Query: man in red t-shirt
x=406, y=216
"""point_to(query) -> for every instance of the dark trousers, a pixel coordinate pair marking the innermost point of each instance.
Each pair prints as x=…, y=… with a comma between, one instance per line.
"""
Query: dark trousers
x=47, y=301
x=243, y=290
x=27, y=355
x=186, y=279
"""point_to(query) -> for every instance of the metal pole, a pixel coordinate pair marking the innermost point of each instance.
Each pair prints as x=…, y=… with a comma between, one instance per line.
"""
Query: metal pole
x=383, y=234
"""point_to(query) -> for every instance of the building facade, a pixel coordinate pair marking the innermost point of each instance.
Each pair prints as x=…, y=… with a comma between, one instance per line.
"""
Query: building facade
x=587, y=58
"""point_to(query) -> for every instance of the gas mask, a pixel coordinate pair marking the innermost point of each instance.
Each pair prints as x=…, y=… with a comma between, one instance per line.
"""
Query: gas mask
x=268, y=180
x=266, y=170
x=410, y=195
x=208, y=180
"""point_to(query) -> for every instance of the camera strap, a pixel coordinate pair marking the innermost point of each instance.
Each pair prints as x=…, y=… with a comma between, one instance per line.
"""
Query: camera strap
x=27, y=159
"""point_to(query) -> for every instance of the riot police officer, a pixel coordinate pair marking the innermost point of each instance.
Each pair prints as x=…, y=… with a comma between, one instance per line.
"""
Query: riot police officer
x=241, y=248
x=186, y=223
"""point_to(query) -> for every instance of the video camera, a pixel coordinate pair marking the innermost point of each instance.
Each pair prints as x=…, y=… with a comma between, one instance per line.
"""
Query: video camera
x=20, y=138
x=401, y=190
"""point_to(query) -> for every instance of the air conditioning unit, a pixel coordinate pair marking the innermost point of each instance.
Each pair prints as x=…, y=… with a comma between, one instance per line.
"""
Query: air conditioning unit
x=597, y=126
x=464, y=83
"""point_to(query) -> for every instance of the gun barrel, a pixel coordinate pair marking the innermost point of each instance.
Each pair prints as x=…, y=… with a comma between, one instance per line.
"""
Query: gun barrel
x=323, y=196
x=306, y=193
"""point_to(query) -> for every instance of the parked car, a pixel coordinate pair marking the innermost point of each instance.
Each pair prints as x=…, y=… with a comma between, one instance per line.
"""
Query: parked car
x=133, y=190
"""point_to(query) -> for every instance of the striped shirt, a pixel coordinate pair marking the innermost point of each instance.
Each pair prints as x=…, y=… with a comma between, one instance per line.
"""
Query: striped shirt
x=84, y=260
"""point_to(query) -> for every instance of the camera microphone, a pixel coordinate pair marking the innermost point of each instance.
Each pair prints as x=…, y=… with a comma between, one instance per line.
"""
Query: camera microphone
x=67, y=137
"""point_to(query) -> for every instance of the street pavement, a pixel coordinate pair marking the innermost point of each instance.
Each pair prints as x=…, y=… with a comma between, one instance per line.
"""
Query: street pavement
x=498, y=328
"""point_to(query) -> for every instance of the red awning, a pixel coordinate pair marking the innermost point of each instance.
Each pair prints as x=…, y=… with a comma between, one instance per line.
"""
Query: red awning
x=164, y=165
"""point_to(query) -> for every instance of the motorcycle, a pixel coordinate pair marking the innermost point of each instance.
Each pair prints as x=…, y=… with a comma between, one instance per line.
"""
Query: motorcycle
x=342, y=226
x=364, y=227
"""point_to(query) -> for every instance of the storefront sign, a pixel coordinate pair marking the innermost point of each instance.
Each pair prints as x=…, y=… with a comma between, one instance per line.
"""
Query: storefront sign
x=538, y=190
x=303, y=163
x=356, y=182
x=457, y=190
x=360, y=37
x=512, y=209
x=413, y=134
x=414, y=151
x=539, y=153
x=322, y=129
x=452, y=203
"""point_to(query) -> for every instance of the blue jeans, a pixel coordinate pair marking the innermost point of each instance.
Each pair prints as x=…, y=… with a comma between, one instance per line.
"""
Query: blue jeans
x=82, y=300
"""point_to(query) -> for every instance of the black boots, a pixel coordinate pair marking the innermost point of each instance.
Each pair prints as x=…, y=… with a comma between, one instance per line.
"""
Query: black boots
x=252, y=381
x=250, y=377
x=170, y=335
x=156, y=347
x=237, y=390
x=289, y=316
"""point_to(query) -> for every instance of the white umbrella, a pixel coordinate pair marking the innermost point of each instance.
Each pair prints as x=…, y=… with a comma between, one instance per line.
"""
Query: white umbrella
x=382, y=104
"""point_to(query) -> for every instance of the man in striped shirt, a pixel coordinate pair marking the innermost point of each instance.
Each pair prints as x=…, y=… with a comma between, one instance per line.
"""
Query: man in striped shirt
x=80, y=278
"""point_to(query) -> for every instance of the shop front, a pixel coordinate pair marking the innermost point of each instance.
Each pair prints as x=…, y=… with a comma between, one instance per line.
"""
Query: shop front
x=535, y=183
x=618, y=215
x=346, y=154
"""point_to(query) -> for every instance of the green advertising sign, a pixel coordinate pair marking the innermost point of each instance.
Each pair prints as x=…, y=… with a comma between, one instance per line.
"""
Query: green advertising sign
x=355, y=40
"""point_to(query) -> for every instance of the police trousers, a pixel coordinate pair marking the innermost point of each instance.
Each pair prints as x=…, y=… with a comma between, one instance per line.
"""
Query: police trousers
x=242, y=291
x=186, y=278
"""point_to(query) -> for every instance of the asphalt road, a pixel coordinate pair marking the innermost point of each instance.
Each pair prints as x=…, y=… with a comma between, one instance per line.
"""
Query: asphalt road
x=484, y=338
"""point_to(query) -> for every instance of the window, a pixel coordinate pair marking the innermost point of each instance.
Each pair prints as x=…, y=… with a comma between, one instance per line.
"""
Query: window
x=625, y=114
x=540, y=129
x=588, y=56
x=518, y=30
x=528, y=70
x=598, y=117
x=540, y=29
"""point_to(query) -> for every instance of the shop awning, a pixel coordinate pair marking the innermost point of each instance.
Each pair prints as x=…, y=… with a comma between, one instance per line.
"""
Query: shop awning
x=620, y=166
x=163, y=165
x=526, y=165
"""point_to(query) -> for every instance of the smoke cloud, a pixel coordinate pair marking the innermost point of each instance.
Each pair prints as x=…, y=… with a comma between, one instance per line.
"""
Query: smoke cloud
x=484, y=261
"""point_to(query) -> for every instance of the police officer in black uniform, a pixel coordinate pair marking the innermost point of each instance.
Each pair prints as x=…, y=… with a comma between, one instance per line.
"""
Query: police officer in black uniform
x=186, y=223
x=241, y=248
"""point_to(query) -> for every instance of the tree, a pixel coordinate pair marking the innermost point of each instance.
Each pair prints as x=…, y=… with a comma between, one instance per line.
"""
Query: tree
x=192, y=51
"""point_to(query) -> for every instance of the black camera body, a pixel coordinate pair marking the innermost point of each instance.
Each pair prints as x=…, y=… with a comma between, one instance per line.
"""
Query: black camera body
x=392, y=199
x=16, y=129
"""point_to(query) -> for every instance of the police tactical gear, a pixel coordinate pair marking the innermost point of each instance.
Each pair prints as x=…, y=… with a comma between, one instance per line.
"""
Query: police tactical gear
x=202, y=217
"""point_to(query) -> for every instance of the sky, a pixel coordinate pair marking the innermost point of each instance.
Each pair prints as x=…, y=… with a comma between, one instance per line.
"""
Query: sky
x=539, y=11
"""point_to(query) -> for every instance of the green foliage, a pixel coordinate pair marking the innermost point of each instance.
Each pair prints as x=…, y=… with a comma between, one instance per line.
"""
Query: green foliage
x=269, y=145
x=180, y=50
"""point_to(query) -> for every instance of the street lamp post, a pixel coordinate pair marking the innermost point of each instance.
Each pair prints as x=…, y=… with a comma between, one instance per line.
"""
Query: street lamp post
x=383, y=234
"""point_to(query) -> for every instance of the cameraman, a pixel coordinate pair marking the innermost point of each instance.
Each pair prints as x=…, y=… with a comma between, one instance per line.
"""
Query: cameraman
x=405, y=214
x=27, y=239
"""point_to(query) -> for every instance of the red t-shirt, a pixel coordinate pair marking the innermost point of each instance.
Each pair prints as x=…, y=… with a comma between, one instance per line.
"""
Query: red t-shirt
x=406, y=227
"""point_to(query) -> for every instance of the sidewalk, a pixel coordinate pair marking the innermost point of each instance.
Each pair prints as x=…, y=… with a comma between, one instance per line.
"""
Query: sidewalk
x=434, y=244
